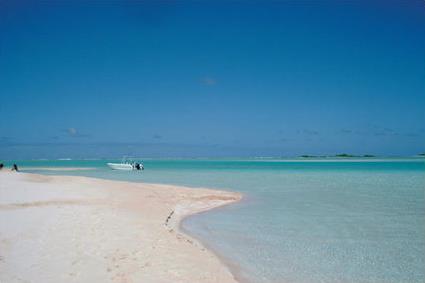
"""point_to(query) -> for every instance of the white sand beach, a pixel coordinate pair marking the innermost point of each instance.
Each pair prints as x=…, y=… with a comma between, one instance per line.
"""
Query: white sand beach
x=58, y=168
x=78, y=229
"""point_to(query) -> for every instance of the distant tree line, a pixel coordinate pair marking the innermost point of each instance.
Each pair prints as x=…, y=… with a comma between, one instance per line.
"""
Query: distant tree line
x=343, y=155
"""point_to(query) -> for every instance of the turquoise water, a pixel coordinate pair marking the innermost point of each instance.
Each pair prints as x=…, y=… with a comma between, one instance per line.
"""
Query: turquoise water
x=332, y=221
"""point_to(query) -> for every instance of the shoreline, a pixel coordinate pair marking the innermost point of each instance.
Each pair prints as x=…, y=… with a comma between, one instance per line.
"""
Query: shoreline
x=24, y=169
x=92, y=211
x=232, y=266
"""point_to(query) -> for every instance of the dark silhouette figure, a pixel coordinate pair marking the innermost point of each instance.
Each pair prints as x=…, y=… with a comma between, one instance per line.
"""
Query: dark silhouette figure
x=15, y=168
x=1, y=166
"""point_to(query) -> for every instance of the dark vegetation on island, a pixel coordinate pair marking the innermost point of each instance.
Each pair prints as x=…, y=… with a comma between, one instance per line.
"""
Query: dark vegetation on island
x=351, y=155
x=340, y=155
x=312, y=156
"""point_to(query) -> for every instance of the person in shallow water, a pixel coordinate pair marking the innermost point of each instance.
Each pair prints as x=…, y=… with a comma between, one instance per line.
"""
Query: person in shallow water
x=15, y=168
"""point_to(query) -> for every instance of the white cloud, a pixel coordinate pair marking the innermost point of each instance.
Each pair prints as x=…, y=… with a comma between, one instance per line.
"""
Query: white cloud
x=209, y=81
x=72, y=131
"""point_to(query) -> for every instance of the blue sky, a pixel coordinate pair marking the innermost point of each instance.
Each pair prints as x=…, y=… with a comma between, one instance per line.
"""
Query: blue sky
x=201, y=78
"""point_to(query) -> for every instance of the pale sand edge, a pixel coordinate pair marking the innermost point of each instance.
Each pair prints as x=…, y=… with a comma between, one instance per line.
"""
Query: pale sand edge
x=231, y=265
x=178, y=225
x=24, y=168
x=200, y=200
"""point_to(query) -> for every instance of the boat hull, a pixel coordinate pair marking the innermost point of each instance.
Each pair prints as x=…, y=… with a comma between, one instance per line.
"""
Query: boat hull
x=121, y=166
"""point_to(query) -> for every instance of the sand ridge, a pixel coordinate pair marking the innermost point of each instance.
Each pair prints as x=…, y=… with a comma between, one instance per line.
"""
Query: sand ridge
x=79, y=229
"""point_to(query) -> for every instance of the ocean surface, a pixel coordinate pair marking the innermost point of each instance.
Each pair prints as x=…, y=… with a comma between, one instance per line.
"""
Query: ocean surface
x=300, y=221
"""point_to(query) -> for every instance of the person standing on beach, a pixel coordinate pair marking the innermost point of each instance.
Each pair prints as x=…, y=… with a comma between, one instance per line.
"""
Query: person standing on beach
x=1, y=166
x=15, y=168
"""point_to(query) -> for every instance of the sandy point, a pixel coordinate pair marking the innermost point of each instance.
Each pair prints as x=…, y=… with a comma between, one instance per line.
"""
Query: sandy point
x=78, y=229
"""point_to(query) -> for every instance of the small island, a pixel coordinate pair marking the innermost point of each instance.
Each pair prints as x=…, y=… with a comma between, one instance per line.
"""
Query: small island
x=345, y=155
x=340, y=155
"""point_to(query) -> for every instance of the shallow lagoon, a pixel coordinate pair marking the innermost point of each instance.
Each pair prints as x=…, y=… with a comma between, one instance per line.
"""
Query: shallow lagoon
x=302, y=221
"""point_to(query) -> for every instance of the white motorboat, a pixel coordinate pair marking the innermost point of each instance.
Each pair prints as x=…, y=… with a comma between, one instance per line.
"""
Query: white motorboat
x=120, y=166
x=126, y=165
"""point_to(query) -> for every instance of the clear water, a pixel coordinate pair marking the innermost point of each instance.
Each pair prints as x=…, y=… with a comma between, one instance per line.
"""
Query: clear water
x=361, y=221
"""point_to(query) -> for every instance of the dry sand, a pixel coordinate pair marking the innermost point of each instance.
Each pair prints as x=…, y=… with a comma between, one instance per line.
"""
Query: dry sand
x=78, y=229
